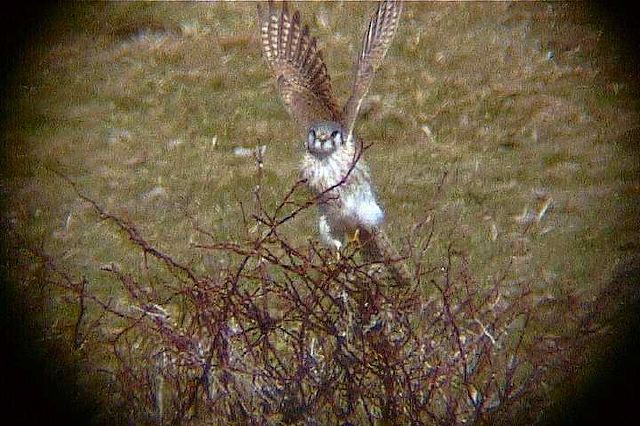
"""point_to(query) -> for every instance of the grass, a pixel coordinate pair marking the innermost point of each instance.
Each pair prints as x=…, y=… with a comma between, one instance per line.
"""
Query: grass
x=128, y=99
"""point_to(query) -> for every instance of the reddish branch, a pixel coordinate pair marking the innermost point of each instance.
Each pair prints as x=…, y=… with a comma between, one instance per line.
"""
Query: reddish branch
x=291, y=334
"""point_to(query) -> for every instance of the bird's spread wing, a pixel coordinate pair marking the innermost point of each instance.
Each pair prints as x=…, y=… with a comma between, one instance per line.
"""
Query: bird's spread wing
x=376, y=42
x=297, y=65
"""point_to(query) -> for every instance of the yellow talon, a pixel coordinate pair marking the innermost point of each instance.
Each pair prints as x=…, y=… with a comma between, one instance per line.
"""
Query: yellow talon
x=356, y=237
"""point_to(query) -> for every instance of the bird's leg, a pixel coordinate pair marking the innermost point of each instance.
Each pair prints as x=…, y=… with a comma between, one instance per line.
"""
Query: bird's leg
x=355, y=238
x=328, y=239
x=353, y=242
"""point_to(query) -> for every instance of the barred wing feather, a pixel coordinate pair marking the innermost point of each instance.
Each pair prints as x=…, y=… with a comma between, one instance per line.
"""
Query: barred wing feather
x=376, y=42
x=297, y=65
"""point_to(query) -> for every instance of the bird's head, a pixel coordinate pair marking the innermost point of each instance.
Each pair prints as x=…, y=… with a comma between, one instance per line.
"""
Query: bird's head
x=324, y=138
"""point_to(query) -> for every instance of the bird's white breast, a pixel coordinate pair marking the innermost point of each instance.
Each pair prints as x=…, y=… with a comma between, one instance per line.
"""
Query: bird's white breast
x=352, y=203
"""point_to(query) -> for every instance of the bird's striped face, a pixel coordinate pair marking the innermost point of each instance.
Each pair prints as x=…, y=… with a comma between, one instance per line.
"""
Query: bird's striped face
x=324, y=138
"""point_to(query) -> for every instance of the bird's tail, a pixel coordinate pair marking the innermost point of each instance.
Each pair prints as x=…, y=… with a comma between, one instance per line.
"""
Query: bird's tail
x=377, y=247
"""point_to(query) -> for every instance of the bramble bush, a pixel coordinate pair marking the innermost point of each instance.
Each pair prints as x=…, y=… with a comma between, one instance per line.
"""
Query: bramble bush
x=295, y=334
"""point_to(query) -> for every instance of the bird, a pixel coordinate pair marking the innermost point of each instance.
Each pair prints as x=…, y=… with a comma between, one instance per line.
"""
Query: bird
x=333, y=166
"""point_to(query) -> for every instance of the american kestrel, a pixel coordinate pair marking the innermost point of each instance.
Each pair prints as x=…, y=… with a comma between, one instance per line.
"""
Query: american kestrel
x=333, y=166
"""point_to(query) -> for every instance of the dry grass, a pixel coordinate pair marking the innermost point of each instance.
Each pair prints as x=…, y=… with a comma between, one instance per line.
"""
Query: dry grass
x=142, y=105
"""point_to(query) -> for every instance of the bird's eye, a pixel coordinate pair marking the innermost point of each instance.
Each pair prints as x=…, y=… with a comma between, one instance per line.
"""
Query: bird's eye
x=337, y=137
x=311, y=136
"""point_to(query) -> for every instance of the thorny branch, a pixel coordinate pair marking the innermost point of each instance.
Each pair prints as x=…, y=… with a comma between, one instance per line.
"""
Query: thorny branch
x=291, y=334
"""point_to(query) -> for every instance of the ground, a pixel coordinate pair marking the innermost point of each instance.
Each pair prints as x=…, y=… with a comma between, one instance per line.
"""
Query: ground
x=526, y=112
